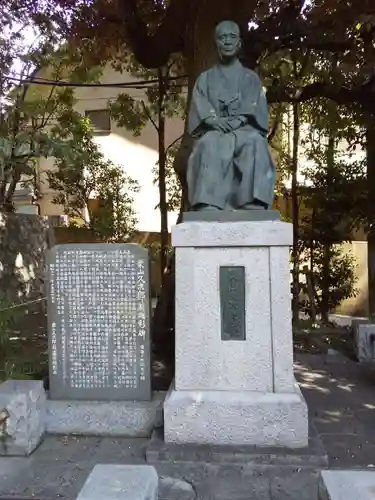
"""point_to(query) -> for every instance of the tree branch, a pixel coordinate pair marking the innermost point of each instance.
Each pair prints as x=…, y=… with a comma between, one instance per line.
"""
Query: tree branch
x=341, y=95
x=274, y=129
x=152, y=50
x=173, y=143
x=147, y=112
x=12, y=187
x=47, y=116
x=288, y=29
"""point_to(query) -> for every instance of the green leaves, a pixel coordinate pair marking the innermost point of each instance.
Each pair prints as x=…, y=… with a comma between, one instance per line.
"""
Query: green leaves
x=36, y=120
x=129, y=113
x=161, y=94
x=331, y=289
x=83, y=180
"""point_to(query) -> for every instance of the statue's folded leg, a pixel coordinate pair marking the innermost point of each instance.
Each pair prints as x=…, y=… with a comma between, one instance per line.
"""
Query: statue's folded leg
x=253, y=163
x=209, y=180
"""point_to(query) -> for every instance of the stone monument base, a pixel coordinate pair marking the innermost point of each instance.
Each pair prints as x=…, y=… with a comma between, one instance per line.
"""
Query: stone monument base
x=234, y=380
x=236, y=418
x=102, y=418
x=313, y=456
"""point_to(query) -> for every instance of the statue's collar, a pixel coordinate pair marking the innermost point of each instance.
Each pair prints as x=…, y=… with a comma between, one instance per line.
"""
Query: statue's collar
x=228, y=83
x=236, y=65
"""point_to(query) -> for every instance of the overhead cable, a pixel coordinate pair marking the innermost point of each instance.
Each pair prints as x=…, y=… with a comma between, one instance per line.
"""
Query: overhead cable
x=60, y=83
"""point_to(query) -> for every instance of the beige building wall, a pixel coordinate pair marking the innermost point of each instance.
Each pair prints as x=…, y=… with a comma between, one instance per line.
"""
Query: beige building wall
x=357, y=306
x=136, y=155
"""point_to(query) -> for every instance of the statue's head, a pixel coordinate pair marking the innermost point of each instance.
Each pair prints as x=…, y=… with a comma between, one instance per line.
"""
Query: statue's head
x=228, y=39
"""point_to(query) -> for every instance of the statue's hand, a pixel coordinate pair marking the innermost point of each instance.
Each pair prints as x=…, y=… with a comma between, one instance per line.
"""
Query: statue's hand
x=237, y=123
x=211, y=122
x=224, y=125
x=219, y=124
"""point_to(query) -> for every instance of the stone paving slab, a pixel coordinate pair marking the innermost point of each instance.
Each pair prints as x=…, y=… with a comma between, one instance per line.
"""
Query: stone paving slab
x=121, y=482
x=47, y=475
x=347, y=485
x=234, y=482
x=61, y=465
x=341, y=399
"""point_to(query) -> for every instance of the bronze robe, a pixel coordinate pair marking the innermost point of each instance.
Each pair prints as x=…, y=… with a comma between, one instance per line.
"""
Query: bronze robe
x=229, y=170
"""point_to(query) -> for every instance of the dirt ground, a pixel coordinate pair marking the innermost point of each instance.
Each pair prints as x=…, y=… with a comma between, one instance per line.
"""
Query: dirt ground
x=341, y=399
x=28, y=351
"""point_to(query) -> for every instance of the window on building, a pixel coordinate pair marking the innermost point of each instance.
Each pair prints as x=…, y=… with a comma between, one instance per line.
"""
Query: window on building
x=58, y=220
x=100, y=120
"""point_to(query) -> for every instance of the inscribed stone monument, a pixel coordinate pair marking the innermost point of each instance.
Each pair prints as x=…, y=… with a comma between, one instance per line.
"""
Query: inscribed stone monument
x=230, y=167
x=98, y=315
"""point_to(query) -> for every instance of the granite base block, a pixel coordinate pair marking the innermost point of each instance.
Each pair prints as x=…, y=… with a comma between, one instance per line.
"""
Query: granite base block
x=198, y=234
x=98, y=418
x=22, y=406
x=313, y=456
x=120, y=482
x=236, y=418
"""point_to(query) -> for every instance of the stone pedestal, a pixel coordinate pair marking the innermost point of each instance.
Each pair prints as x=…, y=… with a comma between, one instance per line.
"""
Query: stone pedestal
x=234, y=379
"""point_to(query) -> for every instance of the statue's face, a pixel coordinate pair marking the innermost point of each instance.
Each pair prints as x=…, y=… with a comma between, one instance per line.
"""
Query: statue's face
x=228, y=40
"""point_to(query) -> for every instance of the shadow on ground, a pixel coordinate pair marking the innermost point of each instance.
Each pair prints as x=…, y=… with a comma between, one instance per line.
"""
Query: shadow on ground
x=341, y=398
x=340, y=394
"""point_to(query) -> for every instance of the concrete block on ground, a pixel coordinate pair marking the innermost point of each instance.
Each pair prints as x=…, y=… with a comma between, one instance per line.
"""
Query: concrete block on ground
x=347, y=485
x=236, y=418
x=100, y=418
x=22, y=406
x=364, y=337
x=120, y=482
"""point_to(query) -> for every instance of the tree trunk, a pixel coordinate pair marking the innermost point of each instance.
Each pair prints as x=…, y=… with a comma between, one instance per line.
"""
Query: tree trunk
x=370, y=157
x=371, y=234
x=313, y=300
x=324, y=307
x=8, y=184
x=326, y=244
x=295, y=213
x=162, y=185
x=200, y=50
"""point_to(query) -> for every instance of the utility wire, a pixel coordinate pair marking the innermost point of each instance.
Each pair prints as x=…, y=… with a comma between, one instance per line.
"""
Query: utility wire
x=23, y=304
x=59, y=83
